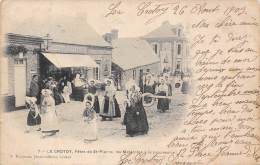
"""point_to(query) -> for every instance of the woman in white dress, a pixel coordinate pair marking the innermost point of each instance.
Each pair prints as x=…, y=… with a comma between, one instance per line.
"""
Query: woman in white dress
x=49, y=124
x=66, y=92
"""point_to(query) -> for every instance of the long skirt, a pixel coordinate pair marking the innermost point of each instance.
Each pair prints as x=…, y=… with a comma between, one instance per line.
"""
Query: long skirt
x=185, y=87
x=89, y=130
x=148, y=89
x=58, y=98
x=66, y=97
x=49, y=120
x=163, y=103
x=135, y=120
x=113, y=109
x=32, y=120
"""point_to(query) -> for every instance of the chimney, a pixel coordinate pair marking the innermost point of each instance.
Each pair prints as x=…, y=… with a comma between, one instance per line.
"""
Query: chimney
x=113, y=35
x=107, y=37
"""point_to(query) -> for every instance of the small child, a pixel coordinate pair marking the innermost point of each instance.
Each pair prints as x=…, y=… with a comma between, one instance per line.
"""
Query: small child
x=90, y=121
x=33, y=117
x=50, y=125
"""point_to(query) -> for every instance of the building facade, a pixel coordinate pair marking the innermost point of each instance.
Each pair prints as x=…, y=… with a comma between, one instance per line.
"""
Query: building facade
x=170, y=44
x=19, y=67
x=102, y=55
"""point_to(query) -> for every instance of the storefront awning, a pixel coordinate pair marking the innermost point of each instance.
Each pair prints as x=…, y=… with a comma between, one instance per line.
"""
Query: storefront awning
x=70, y=60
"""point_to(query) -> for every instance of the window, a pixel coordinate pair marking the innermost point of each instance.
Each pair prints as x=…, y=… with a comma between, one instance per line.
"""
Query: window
x=179, y=32
x=134, y=74
x=155, y=48
x=166, y=60
x=96, y=71
x=178, y=66
x=106, y=68
x=19, y=61
x=179, y=49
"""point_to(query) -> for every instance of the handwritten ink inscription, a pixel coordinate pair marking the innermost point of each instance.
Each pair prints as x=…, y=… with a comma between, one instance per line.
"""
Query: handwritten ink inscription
x=222, y=119
x=114, y=9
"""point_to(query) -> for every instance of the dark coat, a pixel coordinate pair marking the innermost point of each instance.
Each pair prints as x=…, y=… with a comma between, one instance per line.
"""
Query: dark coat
x=92, y=89
x=34, y=89
x=135, y=119
x=32, y=120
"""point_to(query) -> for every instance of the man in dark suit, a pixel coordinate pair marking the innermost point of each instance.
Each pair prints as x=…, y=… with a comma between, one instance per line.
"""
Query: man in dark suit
x=34, y=88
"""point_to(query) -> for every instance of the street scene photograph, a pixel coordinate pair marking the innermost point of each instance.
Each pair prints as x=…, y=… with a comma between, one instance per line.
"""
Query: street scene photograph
x=117, y=82
x=65, y=80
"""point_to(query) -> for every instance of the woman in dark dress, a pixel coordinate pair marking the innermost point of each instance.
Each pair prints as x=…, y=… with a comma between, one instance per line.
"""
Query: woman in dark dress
x=52, y=85
x=135, y=117
x=148, y=87
x=33, y=117
x=113, y=109
x=163, y=90
x=92, y=87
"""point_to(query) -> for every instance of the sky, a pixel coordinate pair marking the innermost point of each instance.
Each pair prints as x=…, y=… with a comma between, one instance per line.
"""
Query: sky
x=16, y=13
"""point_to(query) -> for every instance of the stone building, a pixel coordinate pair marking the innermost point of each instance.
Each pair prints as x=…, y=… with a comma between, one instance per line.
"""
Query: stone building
x=170, y=44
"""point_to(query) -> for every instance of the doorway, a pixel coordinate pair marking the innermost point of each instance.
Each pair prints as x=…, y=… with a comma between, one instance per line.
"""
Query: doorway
x=20, y=82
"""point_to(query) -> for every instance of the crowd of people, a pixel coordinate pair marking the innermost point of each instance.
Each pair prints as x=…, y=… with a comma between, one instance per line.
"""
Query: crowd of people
x=161, y=87
x=100, y=99
x=99, y=102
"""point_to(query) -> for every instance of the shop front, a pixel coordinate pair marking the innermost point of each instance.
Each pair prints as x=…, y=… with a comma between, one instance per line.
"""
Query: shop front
x=76, y=68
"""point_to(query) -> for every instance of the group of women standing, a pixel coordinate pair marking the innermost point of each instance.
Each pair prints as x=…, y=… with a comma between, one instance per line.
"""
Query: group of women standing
x=160, y=87
x=101, y=99
x=105, y=104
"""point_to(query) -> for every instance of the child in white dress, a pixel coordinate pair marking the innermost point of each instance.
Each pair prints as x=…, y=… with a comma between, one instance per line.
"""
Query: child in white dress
x=49, y=117
x=90, y=121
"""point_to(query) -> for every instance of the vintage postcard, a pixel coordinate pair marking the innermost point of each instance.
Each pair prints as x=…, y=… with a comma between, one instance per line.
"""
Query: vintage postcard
x=140, y=82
